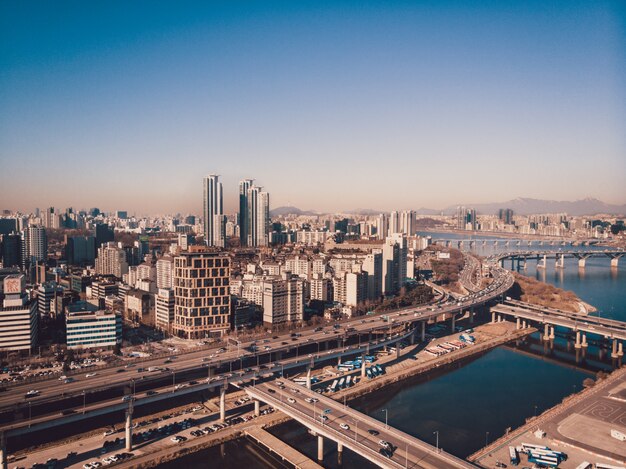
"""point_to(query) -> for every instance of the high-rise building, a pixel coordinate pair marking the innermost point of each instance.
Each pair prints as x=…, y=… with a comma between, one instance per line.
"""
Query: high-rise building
x=214, y=220
x=283, y=299
x=407, y=222
x=111, y=260
x=80, y=250
x=394, y=223
x=202, y=294
x=11, y=250
x=506, y=215
x=8, y=225
x=103, y=234
x=382, y=225
x=19, y=321
x=394, y=263
x=244, y=186
x=46, y=298
x=165, y=302
x=88, y=329
x=34, y=245
x=258, y=223
x=373, y=265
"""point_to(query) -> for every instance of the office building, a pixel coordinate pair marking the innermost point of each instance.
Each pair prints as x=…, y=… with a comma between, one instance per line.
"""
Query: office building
x=283, y=299
x=164, y=317
x=202, y=294
x=103, y=234
x=214, y=220
x=46, y=298
x=92, y=329
x=164, y=268
x=19, y=320
x=11, y=250
x=394, y=253
x=34, y=245
x=80, y=250
x=8, y=226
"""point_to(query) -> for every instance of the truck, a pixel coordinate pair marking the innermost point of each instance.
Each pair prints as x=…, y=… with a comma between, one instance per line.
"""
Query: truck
x=618, y=435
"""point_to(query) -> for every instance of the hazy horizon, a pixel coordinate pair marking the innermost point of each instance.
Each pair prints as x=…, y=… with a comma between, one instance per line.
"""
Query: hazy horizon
x=330, y=106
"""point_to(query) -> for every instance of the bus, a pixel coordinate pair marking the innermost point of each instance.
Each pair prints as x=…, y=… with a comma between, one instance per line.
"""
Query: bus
x=513, y=455
x=346, y=367
x=348, y=381
x=368, y=373
x=528, y=446
x=601, y=465
x=379, y=369
x=341, y=383
x=300, y=381
x=369, y=358
x=584, y=465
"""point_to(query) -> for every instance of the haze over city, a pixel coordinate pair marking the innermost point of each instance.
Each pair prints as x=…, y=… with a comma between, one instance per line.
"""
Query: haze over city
x=329, y=105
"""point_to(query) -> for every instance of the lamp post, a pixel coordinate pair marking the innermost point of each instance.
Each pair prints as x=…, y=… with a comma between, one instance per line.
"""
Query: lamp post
x=436, y=432
x=173, y=381
x=486, y=438
x=84, y=401
x=29, y=413
x=385, y=411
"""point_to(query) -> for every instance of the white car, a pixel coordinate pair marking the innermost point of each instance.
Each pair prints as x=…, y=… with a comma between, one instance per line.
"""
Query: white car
x=89, y=375
x=291, y=400
x=345, y=426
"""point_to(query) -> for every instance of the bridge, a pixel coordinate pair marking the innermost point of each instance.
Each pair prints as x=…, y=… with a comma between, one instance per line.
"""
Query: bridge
x=472, y=242
x=549, y=318
x=351, y=429
x=559, y=257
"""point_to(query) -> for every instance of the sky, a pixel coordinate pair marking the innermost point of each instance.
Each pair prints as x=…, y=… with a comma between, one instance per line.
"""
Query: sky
x=328, y=105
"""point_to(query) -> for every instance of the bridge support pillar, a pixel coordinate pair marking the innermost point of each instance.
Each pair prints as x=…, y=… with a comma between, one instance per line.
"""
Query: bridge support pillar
x=453, y=323
x=471, y=316
x=412, y=337
x=614, y=262
x=584, y=344
x=223, y=403
x=129, y=431
x=546, y=332
x=517, y=323
x=524, y=324
x=581, y=263
x=559, y=263
x=320, y=448
x=493, y=317
x=257, y=408
x=398, y=350
x=362, y=367
x=551, y=332
x=577, y=344
x=3, y=451
x=620, y=350
x=542, y=264
x=614, y=351
x=339, y=360
x=308, y=378
x=423, y=331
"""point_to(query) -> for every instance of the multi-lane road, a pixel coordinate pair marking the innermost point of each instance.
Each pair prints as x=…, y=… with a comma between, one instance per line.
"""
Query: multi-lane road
x=354, y=430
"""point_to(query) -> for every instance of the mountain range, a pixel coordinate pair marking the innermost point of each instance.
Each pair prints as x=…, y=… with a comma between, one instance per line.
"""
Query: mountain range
x=521, y=206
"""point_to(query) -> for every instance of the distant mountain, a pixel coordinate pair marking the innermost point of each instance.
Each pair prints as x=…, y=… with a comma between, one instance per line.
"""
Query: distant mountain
x=527, y=206
x=282, y=211
x=427, y=211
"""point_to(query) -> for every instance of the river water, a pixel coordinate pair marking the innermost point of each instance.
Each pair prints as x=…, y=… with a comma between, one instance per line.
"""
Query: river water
x=474, y=402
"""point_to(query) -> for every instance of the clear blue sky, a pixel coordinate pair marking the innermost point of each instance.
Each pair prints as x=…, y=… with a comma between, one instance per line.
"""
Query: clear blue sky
x=328, y=105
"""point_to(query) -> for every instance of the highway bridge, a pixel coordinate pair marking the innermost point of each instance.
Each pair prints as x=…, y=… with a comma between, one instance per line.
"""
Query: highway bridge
x=472, y=242
x=348, y=428
x=559, y=256
x=526, y=314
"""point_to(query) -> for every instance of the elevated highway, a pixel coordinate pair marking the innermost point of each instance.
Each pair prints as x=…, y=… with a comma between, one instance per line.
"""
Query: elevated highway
x=351, y=429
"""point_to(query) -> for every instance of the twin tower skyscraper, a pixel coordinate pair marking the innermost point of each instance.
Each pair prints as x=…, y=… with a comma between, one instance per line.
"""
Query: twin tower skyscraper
x=253, y=219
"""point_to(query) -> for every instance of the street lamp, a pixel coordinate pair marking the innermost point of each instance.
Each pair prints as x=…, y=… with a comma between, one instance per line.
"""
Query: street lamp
x=535, y=411
x=486, y=438
x=436, y=432
x=84, y=401
x=173, y=381
x=385, y=411
x=29, y=414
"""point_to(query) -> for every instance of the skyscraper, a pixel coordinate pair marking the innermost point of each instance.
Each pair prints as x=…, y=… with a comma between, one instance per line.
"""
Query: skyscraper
x=244, y=186
x=214, y=220
x=258, y=217
x=34, y=245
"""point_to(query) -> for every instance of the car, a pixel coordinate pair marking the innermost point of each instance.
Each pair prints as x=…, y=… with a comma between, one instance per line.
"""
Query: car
x=386, y=452
x=121, y=370
x=127, y=398
x=384, y=444
x=344, y=426
x=323, y=418
x=291, y=400
x=500, y=464
x=271, y=391
x=32, y=393
x=151, y=393
x=373, y=432
x=90, y=375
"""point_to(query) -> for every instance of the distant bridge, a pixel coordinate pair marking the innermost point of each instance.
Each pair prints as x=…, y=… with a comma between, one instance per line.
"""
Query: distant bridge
x=512, y=242
x=559, y=256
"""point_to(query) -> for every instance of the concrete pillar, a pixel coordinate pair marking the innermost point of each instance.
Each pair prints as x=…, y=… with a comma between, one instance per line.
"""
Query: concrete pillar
x=584, y=344
x=129, y=431
x=546, y=332
x=257, y=408
x=423, y=331
x=398, y=350
x=552, y=332
x=542, y=264
x=493, y=316
x=524, y=324
x=412, y=337
x=453, y=322
x=577, y=345
x=614, y=262
x=308, y=378
x=339, y=360
x=614, y=350
x=362, y=367
x=3, y=451
x=581, y=263
x=620, y=350
x=223, y=403
x=320, y=448
x=517, y=323
x=339, y=453
x=471, y=316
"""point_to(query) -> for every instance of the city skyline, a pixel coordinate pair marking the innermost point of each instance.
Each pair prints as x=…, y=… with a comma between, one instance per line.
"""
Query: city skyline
x=391, y=106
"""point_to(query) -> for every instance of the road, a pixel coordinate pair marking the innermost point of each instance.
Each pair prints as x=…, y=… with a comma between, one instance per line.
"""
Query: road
x=360, y=433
